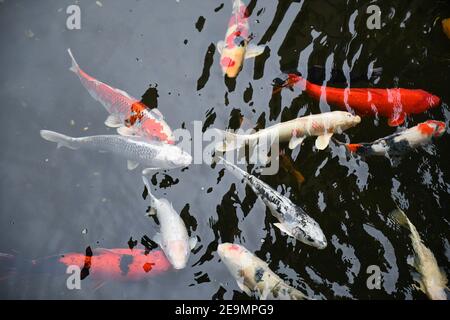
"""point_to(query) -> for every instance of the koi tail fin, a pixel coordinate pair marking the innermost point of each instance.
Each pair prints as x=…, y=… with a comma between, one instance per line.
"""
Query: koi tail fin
x=354, y=147
x=74, y=68
x=230, y=141
x=400, y=218
x=60, y=139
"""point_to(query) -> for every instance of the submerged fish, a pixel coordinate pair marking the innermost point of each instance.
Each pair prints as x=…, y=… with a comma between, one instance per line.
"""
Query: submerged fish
x=446, y=27
x=253, y=275
x=288, y=165
x=119, y=264
x=322, y=125
x=127, y=114
x=137, y=150
x=395, y=103
x=434, y=281
x=173, y=237
x=293, y=220
x=236, y=48
x=100, y=264
x=401, y=142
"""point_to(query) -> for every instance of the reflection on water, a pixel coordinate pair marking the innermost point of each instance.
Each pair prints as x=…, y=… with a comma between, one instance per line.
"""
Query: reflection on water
x=166, y=53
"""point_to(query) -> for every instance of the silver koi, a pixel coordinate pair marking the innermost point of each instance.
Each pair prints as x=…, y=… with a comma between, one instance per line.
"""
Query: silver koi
x=293, y=220
x=137, y=150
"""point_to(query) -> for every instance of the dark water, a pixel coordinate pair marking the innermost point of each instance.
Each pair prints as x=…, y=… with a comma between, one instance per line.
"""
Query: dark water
x=49, y=196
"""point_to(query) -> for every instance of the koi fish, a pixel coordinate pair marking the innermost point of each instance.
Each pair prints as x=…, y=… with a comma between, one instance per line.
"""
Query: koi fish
x=401, y=142
x=293, y=220
x=446, y=27
x=254, y=276
x=137, y=150
x=288, y=165
x=173, y=237
x=433, y=280
x=119, y=264
x=126, y=113
x=395, y=104
x=100, y=264
x=322, y=125
x=236, y=48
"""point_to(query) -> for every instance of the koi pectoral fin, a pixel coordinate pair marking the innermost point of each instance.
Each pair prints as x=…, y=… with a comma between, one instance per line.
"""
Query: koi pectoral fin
x=323, y=141
x=147, y=171
x=396, y=119
x=131, y=165
x=113, y=121
x=295, y=141
x=283, y=228
x=220, y=45
x=254, y=51
x=126, y=131
x=193, y=242
x=243, y=287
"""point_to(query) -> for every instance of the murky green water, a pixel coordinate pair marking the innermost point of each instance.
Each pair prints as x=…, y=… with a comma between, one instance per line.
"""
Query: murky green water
x=48, y=196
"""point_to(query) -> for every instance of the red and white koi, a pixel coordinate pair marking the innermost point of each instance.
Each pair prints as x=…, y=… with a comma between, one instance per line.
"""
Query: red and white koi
x=322, y=125
x=236, y=48
x=127, y=114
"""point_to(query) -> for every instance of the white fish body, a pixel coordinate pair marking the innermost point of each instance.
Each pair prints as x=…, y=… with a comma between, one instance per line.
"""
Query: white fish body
x=254, y=276
x=173, y=236
x=433, y=281
x=293, y=220
x=322, y=125
x=151, y=154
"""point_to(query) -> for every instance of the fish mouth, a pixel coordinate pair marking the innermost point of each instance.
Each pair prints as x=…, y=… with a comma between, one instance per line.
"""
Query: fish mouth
x=357, y=119
x=286, y=80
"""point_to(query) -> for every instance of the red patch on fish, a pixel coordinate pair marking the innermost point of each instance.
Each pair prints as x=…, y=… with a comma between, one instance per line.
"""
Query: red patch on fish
x=234, y=247
x=227, y=62
x=426, y=129
x=148, y=266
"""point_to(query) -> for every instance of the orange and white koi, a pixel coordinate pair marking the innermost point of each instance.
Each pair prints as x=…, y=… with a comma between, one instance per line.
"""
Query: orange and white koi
x=236, y=48
x=127, y=114
x=401, y=142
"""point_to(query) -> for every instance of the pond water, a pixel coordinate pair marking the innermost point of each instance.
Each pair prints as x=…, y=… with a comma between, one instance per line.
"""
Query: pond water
x=55, y=201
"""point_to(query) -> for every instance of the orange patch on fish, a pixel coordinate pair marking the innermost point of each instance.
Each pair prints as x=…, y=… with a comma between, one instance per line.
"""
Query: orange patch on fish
x=353, y=147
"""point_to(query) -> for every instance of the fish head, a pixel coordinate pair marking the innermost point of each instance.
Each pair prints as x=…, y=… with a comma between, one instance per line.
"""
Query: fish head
x=432, y=128
x=234, y=256
x=308, y=231
x=174, y=157
x=177, y=252
x=344, y=120
x=232, y=60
